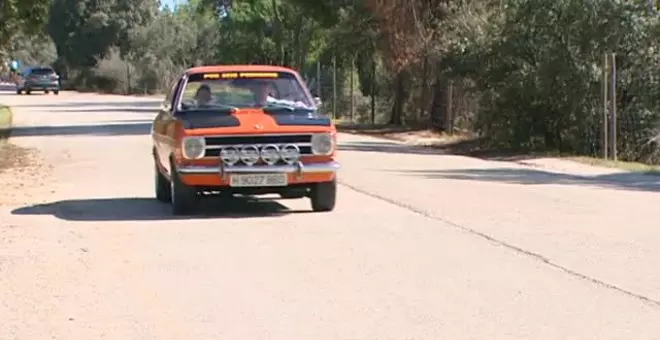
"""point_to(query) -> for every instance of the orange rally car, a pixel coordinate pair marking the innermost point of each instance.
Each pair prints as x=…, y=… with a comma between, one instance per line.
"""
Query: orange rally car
x=243, y=129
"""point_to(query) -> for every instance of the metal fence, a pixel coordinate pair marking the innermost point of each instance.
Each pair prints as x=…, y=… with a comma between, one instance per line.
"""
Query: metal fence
x=346, y=99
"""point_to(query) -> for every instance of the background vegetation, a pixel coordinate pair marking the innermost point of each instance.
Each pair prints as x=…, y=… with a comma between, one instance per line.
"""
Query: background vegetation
x=517, y=73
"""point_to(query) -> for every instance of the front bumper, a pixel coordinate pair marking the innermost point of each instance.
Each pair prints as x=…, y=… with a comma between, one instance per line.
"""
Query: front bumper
x=41, y=86
x=298, y=168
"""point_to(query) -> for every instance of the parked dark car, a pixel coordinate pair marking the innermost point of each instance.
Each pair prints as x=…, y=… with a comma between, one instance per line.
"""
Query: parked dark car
x=38, y=79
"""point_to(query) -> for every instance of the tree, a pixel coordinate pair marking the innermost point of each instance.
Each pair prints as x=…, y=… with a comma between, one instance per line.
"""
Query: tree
x=27, y=16
x=85, y=30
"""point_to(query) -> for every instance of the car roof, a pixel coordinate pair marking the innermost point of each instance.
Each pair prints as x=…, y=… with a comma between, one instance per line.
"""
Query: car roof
x=238, y=68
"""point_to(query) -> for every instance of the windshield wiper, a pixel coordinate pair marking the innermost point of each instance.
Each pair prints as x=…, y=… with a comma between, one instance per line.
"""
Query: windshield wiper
x=283, y=108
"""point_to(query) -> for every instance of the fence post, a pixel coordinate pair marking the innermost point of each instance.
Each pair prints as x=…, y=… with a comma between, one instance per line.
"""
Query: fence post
x=450, y=106
x=373, y=91
x=605, y=84
x=128, y=78
x=613, y=117
x=318, y=80
x=334, y=86
x=352, y=90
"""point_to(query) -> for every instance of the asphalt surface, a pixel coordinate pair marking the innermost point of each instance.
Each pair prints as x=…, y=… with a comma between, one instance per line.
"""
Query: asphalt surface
x=421, y=245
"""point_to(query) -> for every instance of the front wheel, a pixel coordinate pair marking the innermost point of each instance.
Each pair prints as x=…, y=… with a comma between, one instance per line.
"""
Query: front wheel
x=184, y=198
x=162, y=186
x=323, y=196
x=46, y=91
x=56, y=92
x=19, y=91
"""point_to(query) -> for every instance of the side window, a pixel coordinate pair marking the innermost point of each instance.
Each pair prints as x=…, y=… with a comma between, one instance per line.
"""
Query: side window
x=167, y=103
x=176, y=88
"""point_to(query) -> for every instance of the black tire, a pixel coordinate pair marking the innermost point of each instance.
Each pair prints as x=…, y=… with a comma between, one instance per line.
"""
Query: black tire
x=46, y=91
x=162, y=186
x=56, y=92
x=323, y=196
x=28, y=92
x=19, y=91
x=183, y=198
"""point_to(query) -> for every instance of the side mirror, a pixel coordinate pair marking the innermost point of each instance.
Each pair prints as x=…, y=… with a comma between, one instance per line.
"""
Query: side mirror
x=317, y=101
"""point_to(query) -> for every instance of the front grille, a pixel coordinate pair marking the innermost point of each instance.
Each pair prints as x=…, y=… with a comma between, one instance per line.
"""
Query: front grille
x=267, y=139
x=216, y=143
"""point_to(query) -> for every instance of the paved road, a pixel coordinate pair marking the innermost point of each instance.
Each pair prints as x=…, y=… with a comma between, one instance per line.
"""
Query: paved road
x=421, y=246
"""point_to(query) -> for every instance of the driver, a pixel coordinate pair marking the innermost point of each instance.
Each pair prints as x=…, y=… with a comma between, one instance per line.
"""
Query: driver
x=203, y=95
x=264, y=92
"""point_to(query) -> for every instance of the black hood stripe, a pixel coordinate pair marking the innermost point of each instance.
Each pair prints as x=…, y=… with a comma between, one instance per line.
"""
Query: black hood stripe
x=206, y=120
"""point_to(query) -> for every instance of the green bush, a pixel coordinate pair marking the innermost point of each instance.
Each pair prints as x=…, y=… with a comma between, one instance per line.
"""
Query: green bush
x=540, y=75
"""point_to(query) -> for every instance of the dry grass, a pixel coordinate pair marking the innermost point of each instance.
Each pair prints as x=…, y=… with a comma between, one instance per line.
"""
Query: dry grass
x=10, y=155
x=607, y=163
x=5, y=122
x=5, y=116
x=471, y=146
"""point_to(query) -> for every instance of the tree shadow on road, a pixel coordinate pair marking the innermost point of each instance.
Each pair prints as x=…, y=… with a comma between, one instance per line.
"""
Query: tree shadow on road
x=127, y=109
x=128, y=128
x=640, y=181
x=154, y=104
x=148, y=209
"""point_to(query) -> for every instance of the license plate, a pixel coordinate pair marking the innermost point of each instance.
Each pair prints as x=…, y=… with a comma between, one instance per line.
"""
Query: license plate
x=258, y=180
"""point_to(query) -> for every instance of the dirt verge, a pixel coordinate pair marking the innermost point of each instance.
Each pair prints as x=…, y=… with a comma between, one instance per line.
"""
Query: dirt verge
x=6, y=119
x=12, y=156
x=459, y=144
x=20, y=168
x=467, y=145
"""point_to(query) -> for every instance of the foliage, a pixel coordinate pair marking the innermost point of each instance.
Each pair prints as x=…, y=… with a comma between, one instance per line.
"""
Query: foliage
x=520, y=73
x=541, y=75
x=16, y=16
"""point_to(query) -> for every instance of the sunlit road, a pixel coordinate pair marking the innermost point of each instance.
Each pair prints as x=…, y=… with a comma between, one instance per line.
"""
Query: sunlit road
x=421, y=246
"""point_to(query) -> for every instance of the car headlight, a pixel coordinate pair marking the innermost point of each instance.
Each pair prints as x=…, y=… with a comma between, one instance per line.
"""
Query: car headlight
x=290, y=153
x=194, y=147
x=270, y=154
x=322, y=144
x=230, y=155
x=250, y=154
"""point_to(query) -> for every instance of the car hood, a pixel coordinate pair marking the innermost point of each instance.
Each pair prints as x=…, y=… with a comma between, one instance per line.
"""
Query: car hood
x=252, y=121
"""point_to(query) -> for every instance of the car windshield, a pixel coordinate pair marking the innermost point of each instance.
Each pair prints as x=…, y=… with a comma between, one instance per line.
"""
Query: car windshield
x=42, y=71
x=244, y=90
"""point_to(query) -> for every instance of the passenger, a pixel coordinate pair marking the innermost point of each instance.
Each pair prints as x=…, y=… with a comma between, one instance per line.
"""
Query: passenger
x=262, y=91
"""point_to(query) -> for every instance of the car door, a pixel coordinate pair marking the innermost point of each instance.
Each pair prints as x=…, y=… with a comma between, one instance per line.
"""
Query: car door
x=163, y=138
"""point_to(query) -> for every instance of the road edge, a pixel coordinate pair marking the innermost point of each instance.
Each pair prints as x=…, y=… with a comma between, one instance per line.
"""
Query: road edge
x=537, y=162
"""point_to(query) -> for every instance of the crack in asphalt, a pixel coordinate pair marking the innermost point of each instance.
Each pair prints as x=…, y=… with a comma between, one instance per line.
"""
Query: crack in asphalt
x=504, y=244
